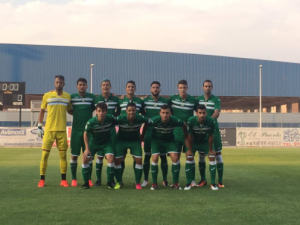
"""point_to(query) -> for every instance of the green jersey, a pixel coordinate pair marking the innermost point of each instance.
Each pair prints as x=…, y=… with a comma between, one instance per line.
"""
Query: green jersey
x=112, y=103
x=99, y=133
x=152, y=107
x=83, y=108
x=183, y=109
x=212, y=104
x=124, y=102
x=130, y=131
x=164, y=131
x=200, y=131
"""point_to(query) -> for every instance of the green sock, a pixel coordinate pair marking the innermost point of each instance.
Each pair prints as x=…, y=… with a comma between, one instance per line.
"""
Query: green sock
x=154, y=172
x=220, y=168
x=85, y=172
x=118, y=173
x=202, y=167
x=189, y=167
x=110, y=172
x=91, y=169
x=123, y=166
x=212, y=170
x=99, y=165
x=134, y=163
x=164, y=166
x=73, y=167
x=146, y=166
x=175, y=172
x=138, y=172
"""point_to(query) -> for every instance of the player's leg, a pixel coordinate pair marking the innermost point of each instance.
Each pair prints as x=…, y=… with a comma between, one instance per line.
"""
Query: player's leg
x=77, y=143
x=48, y=140
x=154, y=164
x=175, y=169
x=189, y=170
x=62, y=145
x=136, y=151
x=212, y=170
x=203, y=152
x=119, y=151
x=86, y=169
x=219, y=159
x=147, y=156
x=99, y=166
x=164, y=168
x=179, y=141
x=110, y=171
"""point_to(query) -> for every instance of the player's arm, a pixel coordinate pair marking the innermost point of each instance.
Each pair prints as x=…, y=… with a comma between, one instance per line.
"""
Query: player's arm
x=184, y=128
x=70, y=112
x=145, y=127
x=210, y=145
x=190, y=139
x=87, y=151
x=41, y=117
x=217, y=109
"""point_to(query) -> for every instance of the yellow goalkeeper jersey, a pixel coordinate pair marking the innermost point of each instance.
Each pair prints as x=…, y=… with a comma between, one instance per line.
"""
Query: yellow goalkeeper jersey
x=57, y=107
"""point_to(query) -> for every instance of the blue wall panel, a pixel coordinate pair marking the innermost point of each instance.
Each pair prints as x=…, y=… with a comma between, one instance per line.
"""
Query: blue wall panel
x=37, y=66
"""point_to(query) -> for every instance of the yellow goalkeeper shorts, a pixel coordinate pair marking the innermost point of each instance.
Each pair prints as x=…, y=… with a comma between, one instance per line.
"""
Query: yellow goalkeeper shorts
x=59, y=136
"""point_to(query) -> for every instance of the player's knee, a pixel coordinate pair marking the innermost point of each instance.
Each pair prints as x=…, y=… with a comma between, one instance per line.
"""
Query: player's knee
x=74, y=157
x=138, y=160
x=219, y=158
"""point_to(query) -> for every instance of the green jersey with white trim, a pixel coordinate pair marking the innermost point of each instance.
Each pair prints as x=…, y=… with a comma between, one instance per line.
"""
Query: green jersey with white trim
x=124, y=102
x=83, y=108
x=112, y=103
x=183, y=109
x=99, y=133
x=200, y=131
x=211, y=104
x=130, y=131
x=164, y=131
x=152, y=107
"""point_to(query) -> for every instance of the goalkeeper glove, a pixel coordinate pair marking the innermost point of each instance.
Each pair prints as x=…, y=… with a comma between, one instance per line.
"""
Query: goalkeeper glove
x=40, y=130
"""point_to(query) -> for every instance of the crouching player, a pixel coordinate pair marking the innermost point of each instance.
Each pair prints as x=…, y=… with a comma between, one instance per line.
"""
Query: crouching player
x=201, y=138
x=129, y=137
x=97, y=139
x=162, y=142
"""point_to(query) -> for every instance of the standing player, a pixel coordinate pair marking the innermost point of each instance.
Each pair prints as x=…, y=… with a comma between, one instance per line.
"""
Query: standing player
x=162, y=142
x=200, y=134
x=112, y=108
x=97, y=139
x=83, y=107
x=183, y=106
x=57, y=104
x=129, y=137
x=124, y=101
x=152, y=106
x=213, y=106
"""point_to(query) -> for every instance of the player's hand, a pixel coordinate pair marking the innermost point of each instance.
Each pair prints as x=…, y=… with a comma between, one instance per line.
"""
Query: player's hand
x=189, y=154
x=211, y=152
x=122, y=97
x=40, y=132
x=86, y=154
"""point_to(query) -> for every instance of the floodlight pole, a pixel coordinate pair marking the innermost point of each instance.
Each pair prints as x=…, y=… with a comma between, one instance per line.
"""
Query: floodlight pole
x=91, y=77
x=260, y=109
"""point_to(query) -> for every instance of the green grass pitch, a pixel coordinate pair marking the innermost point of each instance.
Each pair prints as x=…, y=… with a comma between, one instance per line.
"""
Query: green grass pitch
x=262, y=187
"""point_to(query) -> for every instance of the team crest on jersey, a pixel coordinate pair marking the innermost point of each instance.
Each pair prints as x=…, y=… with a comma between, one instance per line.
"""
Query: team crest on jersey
x=155, y=104
x=182, y=104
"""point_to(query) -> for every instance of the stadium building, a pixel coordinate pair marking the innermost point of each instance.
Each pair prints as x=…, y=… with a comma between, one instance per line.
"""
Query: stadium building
x=236, y=80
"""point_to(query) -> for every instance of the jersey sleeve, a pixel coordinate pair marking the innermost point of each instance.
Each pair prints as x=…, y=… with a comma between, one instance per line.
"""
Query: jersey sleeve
x=88, y=127
x=118, y=111
x=189, y=126
x=69, y=107
x=212, y=128
x=144, y=119
x=196, y=104
x=142, y=109
x=95, y=101
x=218, y=104
x=94, y=105
x=178, y=122
x=44, y=102
x=170, y=101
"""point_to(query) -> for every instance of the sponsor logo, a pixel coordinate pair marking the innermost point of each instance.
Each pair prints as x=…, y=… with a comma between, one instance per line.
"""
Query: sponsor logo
x=12, y=132
x=34, y=131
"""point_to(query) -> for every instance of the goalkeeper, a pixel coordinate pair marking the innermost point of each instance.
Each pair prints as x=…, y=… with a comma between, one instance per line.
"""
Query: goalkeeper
x=57, y=104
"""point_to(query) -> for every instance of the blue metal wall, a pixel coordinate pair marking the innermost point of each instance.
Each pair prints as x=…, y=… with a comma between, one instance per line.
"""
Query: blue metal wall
x=37, y=66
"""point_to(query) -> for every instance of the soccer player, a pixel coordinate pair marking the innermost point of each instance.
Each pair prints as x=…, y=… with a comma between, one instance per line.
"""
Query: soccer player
x=213, y=106
x=129, y=137
x=152, y=106
x=57, y=104
x=123, y=101
x=183, y=106
x=83, y=107
x=97, y=139
x=112, y=108
x=201, y=137
x=162, y=142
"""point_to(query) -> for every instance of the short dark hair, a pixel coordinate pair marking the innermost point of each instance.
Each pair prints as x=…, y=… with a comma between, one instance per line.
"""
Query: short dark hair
x=61, y=77
x=201, y=107
x=106, y=80
x=155, y=82
x=182, y=82
x=131, y=82
x=82, y=80
x=130, y=104
x=208, y=81
x=166, y=107
x=102, y=106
